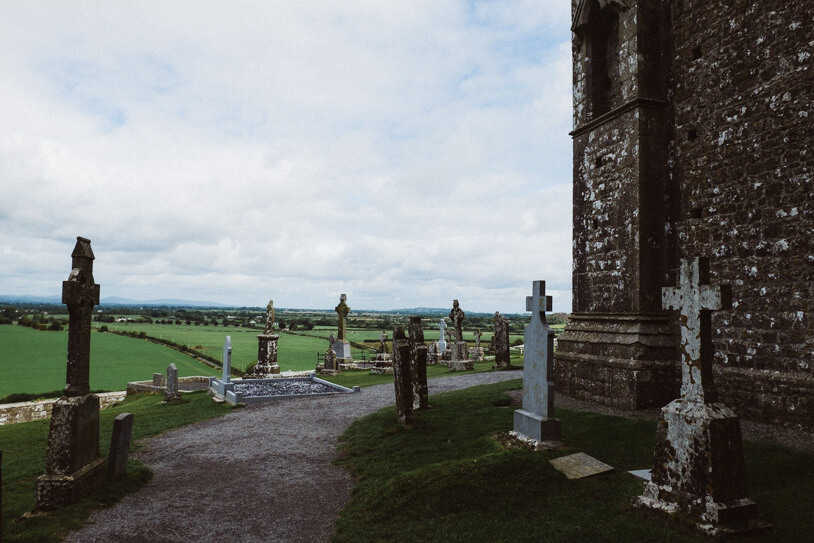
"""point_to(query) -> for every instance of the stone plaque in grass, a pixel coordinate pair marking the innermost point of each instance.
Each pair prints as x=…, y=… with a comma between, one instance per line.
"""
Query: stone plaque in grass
x=580, y=465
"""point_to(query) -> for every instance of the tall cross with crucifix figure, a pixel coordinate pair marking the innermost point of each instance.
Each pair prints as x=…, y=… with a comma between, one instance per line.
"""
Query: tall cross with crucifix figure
x=535, y=419
x=342, y=310
x=695, y=299
x=80, y=293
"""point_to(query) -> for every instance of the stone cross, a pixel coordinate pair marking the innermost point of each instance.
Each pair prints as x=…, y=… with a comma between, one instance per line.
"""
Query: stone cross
x=80, y=294
x=535, y=419
x=227, y=359
x=478, y=334
x=342, y=310
x=538, y=354
x=457, y=317
x=383, y=341
x=695, y=298
x=442, y=343
x=269, y=318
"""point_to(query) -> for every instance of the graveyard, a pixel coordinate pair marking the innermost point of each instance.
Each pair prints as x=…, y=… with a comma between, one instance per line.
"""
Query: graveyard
x=673, y=402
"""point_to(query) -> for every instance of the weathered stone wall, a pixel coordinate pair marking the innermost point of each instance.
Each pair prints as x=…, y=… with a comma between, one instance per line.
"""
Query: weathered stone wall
x=743, y=83
x=12, y=413
x=705, y=150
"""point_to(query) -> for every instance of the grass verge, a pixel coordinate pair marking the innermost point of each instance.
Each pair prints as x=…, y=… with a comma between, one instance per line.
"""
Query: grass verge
x=363, y=378
x=447, y=479
x=24, y=449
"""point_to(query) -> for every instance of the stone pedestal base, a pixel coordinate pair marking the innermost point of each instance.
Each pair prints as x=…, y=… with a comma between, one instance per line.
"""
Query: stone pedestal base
x=55, y=491
x=460, y=365
x=342, y=349
x=536, y=426
x=73, y=466
x=623, y=360
x=699, y=473
x=266, y=355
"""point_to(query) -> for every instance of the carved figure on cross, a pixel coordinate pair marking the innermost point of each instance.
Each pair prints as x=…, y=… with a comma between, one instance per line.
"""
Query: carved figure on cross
x=342, y=310
x=695, y=299
x=269, y=317
x=457, y=317
x=80, y=293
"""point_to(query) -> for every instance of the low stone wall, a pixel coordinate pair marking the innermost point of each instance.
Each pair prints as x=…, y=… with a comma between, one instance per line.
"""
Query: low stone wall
x=12, y=413
x=135, y=387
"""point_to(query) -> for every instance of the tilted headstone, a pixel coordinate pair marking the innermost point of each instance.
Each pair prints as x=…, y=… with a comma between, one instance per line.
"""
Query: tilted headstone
x=73, y=465
x=535, y=419
x=501, y=341
x=418, y=364
x=460, y=354
x=119, y=445
x=402, y=377
x=699, y=470
x=172, y=394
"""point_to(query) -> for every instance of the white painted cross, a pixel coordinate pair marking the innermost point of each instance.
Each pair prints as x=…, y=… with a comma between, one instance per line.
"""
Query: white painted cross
x=695, y=298
x=442, y=344
x=227, y=359
x=538, y=385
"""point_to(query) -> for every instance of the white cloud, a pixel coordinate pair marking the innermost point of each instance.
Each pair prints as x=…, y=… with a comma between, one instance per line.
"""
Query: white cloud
x=406, y=153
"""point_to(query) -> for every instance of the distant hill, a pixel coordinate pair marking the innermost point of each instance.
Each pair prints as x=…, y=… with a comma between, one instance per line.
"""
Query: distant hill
x=110, y=300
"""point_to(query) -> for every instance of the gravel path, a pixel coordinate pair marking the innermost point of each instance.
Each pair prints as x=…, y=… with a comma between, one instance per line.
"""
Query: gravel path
x=263, y=473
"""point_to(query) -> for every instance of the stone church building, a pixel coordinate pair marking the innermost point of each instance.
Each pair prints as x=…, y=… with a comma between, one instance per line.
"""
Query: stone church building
x=693, y=136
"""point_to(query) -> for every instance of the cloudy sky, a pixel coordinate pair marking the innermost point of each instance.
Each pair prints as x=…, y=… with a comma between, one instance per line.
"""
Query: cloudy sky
x=404, y=152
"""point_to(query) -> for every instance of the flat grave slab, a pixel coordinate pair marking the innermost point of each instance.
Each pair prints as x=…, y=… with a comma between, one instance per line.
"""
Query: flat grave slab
x=580, y=465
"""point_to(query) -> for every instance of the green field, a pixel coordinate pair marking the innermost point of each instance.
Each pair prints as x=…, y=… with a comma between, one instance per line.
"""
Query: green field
x=33, y=361
x=294, y=352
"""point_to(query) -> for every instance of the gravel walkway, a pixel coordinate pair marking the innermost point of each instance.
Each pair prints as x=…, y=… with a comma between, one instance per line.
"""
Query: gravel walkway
x=262, y=473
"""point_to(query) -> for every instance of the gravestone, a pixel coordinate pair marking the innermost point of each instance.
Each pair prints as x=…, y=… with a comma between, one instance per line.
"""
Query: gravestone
x=330, y=364
x=442, y=344
x=501, y=342
x=699, y=473
x=402, y=377
x=383, y=342
x=119, y=445
x=432, y=354
x=172, y=394
x=535, y=420
x=342, y=345
x=226, y=375
x=73, y=465
x=267, y=347
x=159, y=380
x=418, y=364
x=478, y=350
x=460, y=354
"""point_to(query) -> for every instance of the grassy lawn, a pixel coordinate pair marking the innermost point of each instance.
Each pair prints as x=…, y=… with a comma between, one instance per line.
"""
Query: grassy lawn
x=363, y=378
x=447, y=479
x=35, y=361
x=24, y=449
